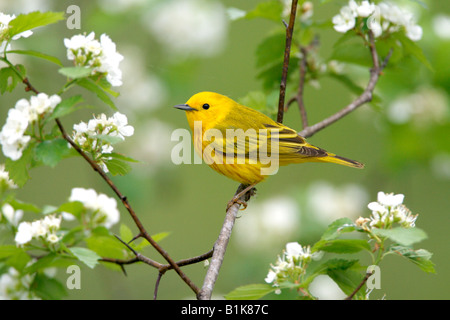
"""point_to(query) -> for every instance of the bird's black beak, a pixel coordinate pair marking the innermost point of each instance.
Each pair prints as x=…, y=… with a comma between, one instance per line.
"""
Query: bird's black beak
x=184, y=107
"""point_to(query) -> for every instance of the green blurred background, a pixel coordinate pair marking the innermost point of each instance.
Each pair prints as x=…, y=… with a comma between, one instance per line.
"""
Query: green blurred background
x=408, y=155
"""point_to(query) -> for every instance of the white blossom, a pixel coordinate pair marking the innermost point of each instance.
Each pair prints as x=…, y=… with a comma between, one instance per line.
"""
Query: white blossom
x=101, y=56
x=387, y=210
x=103, y=209
x=291, y=265
x=86, y=135
x=13, y=216
x=382, y=17
x=12, y=136
x=24, y=233
x=5, y=19
x=5, y=181
x=44, y=228
x=345, y=20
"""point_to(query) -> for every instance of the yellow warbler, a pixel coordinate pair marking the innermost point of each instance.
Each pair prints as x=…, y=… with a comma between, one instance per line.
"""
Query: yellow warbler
x=244, y=144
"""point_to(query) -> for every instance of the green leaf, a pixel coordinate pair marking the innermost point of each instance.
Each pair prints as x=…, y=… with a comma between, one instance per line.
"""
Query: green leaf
x=420, y=257
x=87, y=256
x=341, y=246
x=38, y=55
x=9, y=78
x=268, y=10
x=403, y=236
x=48, y=288
x=18, y=170
x=338, y=227
x=122, y=157
x=51, y=152
x=107, y=246
x=250, y=292
x=271, y=76
x=93, y=87
x=9, y=250
x=24, y=22
x=347, y=280
x=66, y=107
x=27, y=207
x=117, y=167
x=354, y=53
x=75, y=72
x=125, y=233
x=108, y=138
x=410, y=47
x=270, y=50
x=159, y=236
x=19, y=259
x=74, y=207
x=49, y=261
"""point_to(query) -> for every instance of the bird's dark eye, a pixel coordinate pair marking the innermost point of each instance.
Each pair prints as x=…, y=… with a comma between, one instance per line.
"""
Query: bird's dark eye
x=206, y=106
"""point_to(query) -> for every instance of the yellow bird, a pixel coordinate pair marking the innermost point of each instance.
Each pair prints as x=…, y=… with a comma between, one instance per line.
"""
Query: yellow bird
x=244, y=144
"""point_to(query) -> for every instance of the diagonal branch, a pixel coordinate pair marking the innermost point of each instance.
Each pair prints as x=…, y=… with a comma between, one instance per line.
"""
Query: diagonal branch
x=366, y=96
x=142, y=231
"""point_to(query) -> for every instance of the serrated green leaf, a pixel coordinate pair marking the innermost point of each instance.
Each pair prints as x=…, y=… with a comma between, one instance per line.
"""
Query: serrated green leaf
x=420, y=257
x=270, y=50
x=403, y=236
x=51, y=152
x=250, y=292
x=24, y=22
x=18, y=170
x=9, y=78
x=74, y=207
x=66, y=107
x=87, y=256
x=75, y=72
x=410, y=47
x=27, y=207
x=93, y=87
x=347, y=280
x=338, y=227
x=49, y=261
x=125, y=233
x=48, y=288
x=18, y=260
x=38, y=55
x=119, y=156
x=9, y=250
x=117, y=167
x=354, y=53
x=107, y=246
x=341, y=246
x=268, y=10
x=108, y=138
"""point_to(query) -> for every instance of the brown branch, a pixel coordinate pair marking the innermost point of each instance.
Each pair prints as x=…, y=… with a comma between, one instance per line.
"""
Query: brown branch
x=220, y=247
x=364, y=280
x=287, y=53
x=142, y=231
x=366, y=96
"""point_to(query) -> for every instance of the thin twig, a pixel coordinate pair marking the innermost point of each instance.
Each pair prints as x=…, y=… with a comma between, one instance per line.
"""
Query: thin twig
x=287, y=53
x=142, y=231
x=366, y=96
x=366, y=277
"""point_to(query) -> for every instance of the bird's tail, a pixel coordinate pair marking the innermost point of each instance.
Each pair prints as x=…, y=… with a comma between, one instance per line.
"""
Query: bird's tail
x=341, y=160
